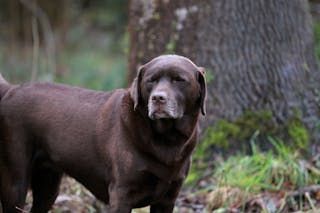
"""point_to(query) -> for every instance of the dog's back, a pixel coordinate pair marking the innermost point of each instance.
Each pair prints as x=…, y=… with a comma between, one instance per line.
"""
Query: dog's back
x=52, y=108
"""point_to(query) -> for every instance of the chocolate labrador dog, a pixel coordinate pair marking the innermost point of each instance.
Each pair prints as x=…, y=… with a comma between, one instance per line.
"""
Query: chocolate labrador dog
x=130, y=147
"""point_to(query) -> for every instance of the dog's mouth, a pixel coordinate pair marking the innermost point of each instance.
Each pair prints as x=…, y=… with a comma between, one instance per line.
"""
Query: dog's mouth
x=157, y=112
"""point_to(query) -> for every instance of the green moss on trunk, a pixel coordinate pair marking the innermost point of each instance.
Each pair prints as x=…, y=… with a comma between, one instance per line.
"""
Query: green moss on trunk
x=229, y=136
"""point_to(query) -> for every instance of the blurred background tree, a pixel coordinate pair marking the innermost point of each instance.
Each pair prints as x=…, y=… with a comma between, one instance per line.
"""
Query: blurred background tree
x=75, y=42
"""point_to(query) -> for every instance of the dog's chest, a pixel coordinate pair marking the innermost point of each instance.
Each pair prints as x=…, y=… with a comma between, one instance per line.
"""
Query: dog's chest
x=161, y=188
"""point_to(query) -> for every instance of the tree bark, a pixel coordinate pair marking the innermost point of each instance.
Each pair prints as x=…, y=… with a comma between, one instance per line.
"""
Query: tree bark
x=259, y=54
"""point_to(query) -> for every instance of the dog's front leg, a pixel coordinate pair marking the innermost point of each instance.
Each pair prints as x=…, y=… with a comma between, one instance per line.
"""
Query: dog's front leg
x=162, y=208
x=118, y=202
x=166, y=205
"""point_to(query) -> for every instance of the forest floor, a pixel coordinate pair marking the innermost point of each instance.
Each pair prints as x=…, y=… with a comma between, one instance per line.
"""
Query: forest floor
x=262, y=182
x=75, y=198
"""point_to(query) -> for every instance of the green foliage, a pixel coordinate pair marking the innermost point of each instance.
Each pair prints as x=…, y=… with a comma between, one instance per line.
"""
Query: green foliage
x=91, y=53
x=95, y=70
x=224, y=133
x=209, y=75
x=243, y=181
x=171, y=46
x=99, y=62
x=192, y=177
x=299, y=134
x=220, y=135
x=239, y=134
x=278, y=170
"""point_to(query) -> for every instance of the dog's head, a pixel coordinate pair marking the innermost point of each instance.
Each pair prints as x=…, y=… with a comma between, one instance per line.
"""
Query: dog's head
x=170, y=86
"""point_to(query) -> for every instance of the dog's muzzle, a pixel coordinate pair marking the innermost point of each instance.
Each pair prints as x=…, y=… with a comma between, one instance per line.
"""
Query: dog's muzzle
x=161, y=106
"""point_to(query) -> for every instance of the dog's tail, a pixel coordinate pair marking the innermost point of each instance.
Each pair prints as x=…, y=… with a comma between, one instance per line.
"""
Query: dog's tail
x=2, y=80
x=4, y=86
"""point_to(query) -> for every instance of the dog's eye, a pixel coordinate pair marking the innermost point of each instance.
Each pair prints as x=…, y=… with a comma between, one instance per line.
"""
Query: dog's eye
x=178, y=79
x=151, y=81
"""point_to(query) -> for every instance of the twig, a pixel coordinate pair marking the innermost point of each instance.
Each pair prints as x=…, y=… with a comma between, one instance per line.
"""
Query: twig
x=307, y=194
x=283, y=204
x=312, y=168
x=48, y=34
x=22, y=210
x=35, y=52
x=303, y=190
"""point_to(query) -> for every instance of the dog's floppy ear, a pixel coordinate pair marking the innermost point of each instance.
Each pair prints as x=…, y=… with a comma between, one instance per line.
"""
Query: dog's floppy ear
x=203, y=89
x=135, y=90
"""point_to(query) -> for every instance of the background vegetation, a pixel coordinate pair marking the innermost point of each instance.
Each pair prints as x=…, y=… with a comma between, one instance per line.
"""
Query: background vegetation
x=87, y=45
x=90, y=43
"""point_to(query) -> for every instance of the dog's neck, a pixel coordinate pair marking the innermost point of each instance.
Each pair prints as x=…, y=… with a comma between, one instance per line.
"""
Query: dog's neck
x=174, y=139
x=182, y=127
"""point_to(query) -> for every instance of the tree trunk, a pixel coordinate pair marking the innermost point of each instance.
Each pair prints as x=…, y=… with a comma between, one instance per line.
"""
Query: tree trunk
x=259, y=54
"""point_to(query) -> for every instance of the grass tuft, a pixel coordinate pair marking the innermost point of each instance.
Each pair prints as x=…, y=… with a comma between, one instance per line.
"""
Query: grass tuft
x=281, y=169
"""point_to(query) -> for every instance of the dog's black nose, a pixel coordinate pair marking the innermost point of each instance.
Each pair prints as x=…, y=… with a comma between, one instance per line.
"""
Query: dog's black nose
x=159, y=97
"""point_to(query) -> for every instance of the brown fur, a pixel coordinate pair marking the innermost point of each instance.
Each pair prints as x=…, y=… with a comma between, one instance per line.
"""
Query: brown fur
x=111, y=142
